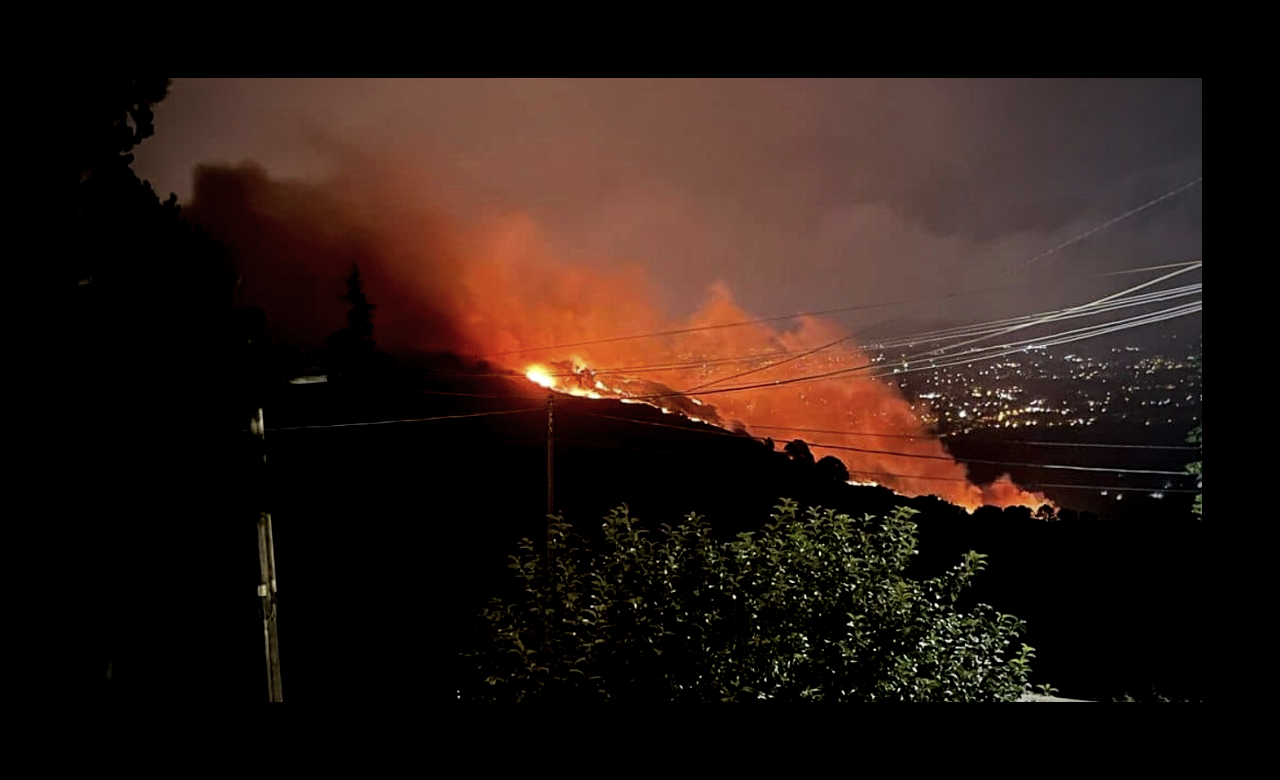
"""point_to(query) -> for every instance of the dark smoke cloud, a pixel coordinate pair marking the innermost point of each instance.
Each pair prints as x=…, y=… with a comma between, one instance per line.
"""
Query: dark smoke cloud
x=800, y=194
x=987, y=158
x=294, y=243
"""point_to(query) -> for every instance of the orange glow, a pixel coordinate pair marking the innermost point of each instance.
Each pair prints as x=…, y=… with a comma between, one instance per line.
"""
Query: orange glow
x=515, y=297
x=539, y=376
x=496, y=288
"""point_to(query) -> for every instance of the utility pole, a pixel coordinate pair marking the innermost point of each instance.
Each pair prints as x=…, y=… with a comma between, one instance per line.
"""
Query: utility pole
x=267, y=584
x=551, y=483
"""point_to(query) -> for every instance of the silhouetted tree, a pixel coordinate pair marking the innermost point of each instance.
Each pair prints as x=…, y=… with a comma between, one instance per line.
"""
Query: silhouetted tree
x=151, y=321
x=352, y=348
x=1019, y=514
x=799, y=453
x=360, y=317
x=109, y=116
x=831, y=467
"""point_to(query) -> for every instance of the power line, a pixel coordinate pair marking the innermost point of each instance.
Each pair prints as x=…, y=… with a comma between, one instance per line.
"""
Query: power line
x=988, y=327
x=909, y=455
x=585, y=443
x=820, y=445
x=955, y=360
x=991, y=353
x=1002, y=441
x=725, y=432
x=1063, y=337
x=1024, y=486
x=909, y=339
x=965, y=330
x=412, y=420
x=748, y=372
x=1053, y=340
x=718, y=432
x=1102, y=300
x=1035, y=485
x=1152, y=268
x=1054, y=316
x=761, y=320
x=1055, y=466
x=947, y=458
x=1057, y=339
x=489, y=396
x=1109, y=223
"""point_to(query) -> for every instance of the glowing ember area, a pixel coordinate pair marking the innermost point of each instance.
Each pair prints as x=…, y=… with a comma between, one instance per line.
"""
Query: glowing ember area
x=564, y=379
x=539, y=376
x=572, y=378
x=516, y=300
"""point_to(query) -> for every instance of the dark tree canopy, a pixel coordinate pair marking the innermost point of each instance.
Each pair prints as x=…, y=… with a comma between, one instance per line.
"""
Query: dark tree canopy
x=352, y=350
x=156, y=363
x=110, y=115
x=831, y=467
x=799, y=452
x=815, y=607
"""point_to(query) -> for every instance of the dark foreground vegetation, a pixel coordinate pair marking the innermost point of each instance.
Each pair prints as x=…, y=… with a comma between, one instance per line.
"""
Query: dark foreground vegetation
x=815, y=607
x=438, y=507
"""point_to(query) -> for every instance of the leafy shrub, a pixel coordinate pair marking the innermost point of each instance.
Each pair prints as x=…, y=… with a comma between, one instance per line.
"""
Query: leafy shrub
x=814, y=607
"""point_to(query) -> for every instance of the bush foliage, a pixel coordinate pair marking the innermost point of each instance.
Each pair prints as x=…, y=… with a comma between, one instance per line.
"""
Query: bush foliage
x=814, y=607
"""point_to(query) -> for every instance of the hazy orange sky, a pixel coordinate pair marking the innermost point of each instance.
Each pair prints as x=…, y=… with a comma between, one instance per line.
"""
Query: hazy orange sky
x=498, y=215
x=799, y=195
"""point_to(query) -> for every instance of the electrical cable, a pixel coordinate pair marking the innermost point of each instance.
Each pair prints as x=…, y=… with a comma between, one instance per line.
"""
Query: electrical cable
x=947, y=458
x=412, y=420
x=779, y=318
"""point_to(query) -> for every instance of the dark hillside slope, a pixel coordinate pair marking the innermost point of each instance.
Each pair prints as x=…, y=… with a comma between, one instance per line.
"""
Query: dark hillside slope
x=391, y=537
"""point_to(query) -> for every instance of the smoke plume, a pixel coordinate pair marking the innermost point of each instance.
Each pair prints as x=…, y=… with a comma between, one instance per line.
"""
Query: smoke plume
x=492, y=283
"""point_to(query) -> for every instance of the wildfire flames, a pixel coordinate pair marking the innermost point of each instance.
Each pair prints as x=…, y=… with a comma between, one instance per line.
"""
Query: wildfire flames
x=539, y=376
x=520, y=301
x=498, y=288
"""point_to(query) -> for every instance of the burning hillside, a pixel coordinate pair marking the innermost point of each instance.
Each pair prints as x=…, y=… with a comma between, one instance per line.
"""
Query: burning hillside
x=516, y=300
x=497, y=288
x=579, y=380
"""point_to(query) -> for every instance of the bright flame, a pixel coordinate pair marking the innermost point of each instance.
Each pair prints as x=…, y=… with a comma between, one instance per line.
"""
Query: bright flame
x=539, y=376
x=516, y=297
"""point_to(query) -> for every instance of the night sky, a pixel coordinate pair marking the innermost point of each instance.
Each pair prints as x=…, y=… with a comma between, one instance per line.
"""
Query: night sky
x=798, y=195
